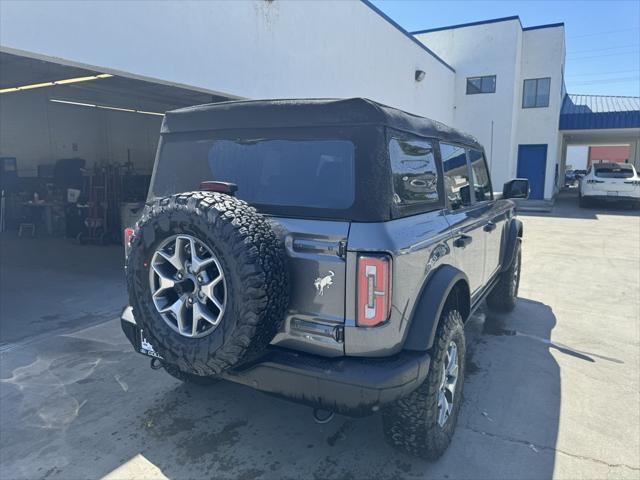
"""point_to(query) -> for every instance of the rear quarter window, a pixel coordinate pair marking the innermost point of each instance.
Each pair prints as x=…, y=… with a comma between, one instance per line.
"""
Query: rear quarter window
x=414, y=171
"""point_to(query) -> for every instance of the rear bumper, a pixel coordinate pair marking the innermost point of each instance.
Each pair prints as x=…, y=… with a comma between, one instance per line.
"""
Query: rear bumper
x=613, y=198
x=351, y=385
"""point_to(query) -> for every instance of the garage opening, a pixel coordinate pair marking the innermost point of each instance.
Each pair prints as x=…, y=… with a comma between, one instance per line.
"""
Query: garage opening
x=76, y=152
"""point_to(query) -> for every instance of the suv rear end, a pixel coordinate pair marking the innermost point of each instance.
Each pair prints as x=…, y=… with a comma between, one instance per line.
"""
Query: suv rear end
x=611, y=182
x=305, y=182
x=310, y=183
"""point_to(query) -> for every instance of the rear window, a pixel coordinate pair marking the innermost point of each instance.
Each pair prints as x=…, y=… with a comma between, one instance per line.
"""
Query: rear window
x=298, y=173
x=622, y=171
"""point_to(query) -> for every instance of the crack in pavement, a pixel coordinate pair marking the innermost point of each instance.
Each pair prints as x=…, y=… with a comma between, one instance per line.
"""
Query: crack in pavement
x=545, y=447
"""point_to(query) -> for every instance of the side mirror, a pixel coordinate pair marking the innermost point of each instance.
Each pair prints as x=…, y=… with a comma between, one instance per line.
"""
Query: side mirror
x=516, y=188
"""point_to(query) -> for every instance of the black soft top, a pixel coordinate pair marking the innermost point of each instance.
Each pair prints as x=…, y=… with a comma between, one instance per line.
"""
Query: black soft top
x=256, y=114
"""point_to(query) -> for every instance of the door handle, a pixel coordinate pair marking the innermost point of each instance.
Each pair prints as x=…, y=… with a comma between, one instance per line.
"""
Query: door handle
x=462, y=241
x=489, y=227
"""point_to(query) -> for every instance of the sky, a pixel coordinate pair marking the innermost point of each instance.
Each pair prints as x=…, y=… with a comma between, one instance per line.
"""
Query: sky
x=603, y=37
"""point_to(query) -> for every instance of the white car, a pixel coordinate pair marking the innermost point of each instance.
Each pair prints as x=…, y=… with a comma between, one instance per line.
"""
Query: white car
x=610, y=182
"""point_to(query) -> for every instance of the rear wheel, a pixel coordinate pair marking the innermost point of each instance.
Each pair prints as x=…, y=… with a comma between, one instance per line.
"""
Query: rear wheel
x=423, y=423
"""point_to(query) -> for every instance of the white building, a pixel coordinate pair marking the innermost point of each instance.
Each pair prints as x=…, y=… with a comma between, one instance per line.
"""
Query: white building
x=508, y=93
x=496, y=80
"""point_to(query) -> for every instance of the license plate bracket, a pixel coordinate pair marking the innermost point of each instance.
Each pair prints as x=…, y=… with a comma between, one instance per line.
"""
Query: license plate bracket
x=146, y=348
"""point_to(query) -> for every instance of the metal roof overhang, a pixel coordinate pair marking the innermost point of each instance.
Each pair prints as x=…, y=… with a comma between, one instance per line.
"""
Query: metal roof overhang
x=115, y=91
x=596, y=112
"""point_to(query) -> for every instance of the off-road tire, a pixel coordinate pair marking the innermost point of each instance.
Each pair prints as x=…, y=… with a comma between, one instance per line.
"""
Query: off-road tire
x=252, y=258
x=190, y=378
x=504, y=295
x=411, y=423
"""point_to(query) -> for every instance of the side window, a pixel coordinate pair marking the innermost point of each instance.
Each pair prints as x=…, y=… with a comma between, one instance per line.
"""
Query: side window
x=415, y=175
x=456, y=175
x=481, y=180
x=477, y=85
x=535, y=92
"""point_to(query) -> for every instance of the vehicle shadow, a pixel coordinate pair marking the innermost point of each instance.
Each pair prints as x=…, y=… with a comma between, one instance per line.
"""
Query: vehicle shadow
x=512, y=395
x=123, y=420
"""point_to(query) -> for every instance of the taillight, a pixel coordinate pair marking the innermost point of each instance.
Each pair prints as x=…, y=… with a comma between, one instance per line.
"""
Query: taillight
x=374, y=289
x=128, y=235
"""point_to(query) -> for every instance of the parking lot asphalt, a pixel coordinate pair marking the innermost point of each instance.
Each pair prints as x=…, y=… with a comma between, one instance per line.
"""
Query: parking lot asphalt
x=552, y=389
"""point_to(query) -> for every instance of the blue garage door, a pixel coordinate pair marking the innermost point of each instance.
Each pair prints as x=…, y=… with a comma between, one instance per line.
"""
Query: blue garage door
x=532, y=164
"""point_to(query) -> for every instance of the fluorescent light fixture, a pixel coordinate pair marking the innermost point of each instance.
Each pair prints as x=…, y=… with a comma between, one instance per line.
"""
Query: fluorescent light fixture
x=150, y=113
x=36, y=85
x=74, y=80
x=116, y=108
x=73, y=103
x=65, y=81
x=105, y=107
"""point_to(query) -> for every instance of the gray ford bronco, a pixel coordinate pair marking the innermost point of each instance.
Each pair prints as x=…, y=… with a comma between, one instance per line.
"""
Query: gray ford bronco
x=324, y=251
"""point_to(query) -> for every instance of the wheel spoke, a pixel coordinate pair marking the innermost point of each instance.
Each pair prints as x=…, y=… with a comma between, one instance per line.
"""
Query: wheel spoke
x=198, y=263
x=443, y=409
x=450, y=387
x=209, y=291
x=216, y=302
x=453, y=374
x=215, y=281
x=165, y=283
x=452, y=357
x=178, y=309
x=176, y=259
x=197, y=315
x=446, y=393
x=201, y=313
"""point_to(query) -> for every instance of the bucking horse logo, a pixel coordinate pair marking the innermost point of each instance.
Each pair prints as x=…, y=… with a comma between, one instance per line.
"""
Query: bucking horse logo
x=324, y=282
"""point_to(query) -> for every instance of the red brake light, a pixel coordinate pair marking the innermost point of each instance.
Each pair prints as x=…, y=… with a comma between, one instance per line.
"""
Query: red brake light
x=128, y=235
x=221, y=187
x=374, y=290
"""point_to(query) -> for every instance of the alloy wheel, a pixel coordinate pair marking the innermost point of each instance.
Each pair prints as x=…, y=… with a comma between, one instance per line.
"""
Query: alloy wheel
x=188, y=286
x=448, y=383
x=516, y=276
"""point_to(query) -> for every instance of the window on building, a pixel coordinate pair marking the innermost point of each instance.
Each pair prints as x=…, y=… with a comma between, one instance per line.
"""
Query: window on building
x=456, y=175
x=536, y=92
x=481, y=182
x=415, y=175
x=485, y=84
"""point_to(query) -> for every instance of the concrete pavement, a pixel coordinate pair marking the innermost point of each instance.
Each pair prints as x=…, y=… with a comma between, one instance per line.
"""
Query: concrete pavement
x=552, y=388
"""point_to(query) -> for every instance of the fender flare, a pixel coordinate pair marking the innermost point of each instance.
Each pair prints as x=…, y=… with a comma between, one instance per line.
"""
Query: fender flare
x=432, y=300
x=514, y=232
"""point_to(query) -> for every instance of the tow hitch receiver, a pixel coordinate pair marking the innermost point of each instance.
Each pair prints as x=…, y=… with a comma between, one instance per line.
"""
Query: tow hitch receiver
x=322, y=416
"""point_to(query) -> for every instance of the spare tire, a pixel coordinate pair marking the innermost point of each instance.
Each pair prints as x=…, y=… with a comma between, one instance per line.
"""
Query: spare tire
x=207, y=280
